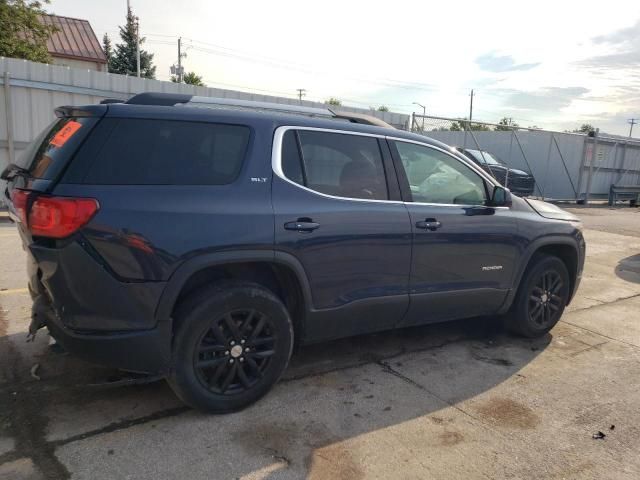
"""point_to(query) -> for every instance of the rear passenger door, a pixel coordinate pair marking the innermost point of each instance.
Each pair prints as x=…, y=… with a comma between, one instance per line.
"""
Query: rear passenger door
x=338, y=212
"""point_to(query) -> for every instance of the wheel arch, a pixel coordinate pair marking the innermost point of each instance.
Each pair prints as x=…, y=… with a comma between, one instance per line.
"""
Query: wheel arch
x=563, y=247
x=278, y=271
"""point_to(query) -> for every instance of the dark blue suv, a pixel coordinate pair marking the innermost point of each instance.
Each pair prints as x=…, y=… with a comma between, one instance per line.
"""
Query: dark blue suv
x=201, y=238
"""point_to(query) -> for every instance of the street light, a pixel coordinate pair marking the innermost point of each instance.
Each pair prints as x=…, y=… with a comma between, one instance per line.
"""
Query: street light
x=424, y=112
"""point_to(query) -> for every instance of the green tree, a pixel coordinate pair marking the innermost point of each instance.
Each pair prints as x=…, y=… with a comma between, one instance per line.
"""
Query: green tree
x=333, y=101
x=464, y=124
x=22, y=34
x=107, y=47
x=584, y=128
x=506, y=124
x=124, y=57
x=189, y=78
x=383, y=108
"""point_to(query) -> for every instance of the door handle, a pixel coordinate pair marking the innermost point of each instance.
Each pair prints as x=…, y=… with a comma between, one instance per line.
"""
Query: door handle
x=302, y=225
x=430, y=224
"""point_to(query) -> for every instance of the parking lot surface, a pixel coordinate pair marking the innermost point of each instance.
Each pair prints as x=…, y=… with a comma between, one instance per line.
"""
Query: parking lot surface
x=458, y=401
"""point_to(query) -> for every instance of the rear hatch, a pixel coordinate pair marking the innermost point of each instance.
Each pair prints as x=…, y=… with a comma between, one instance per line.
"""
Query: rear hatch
x=31, y=178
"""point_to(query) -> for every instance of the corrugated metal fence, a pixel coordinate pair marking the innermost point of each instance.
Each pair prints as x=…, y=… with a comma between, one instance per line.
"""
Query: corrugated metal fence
x=30, y=91
x=565, y=165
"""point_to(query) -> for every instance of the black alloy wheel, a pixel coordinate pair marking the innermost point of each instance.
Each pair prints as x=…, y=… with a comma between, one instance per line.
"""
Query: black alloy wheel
x=232, y=343
x=546, y=300
x=541, y=298
x=235, y=351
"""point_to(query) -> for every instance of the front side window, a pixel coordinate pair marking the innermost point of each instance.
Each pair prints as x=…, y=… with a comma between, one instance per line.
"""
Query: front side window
x=435, y=177
x=336, y=164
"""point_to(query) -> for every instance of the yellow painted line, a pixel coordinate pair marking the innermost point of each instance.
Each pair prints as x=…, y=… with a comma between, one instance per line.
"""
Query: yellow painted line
x=12, y=291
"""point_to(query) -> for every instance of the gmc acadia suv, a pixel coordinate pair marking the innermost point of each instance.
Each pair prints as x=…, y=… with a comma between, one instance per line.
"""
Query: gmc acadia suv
x=198, y=240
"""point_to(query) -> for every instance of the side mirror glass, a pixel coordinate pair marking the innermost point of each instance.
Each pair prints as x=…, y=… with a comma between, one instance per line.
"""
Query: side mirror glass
x=501, y=197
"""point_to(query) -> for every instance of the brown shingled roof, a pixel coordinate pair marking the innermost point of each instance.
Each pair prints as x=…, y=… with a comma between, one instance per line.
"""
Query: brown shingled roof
x=74, y=39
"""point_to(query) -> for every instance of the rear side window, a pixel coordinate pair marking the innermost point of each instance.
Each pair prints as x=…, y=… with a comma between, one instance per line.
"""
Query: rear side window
x=160, y=152
x=336, y=164
x=48, y=154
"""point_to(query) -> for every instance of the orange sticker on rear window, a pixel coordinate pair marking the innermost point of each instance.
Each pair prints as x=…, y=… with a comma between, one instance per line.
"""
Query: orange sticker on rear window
x=65, y=133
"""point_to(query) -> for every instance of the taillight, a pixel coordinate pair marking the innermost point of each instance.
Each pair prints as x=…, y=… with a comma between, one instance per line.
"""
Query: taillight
x=59, y=217
x=53, y=217
x=20, y=199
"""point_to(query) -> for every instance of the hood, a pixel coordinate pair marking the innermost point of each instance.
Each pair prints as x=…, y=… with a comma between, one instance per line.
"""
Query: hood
x=549, y=210
x=513, y=171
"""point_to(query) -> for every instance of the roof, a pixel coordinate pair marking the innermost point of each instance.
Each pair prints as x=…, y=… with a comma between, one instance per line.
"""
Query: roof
x=74, y=39
x=256, y=118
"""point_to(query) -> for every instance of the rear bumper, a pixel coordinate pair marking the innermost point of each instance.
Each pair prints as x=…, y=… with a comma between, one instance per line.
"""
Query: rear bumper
x=145, y=351
x=94, y=315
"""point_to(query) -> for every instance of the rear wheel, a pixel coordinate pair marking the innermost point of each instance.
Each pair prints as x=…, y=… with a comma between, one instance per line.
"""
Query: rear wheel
x=233, y=343
x=541, y=298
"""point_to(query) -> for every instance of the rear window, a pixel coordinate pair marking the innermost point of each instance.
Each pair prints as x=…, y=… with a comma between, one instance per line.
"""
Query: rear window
x=47, y=155
x=160, y=152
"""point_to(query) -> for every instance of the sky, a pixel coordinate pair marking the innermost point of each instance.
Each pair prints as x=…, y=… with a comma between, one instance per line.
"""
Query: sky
x=552, y=64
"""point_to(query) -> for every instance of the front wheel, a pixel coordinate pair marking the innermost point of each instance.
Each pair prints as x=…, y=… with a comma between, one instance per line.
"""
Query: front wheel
x=233, y=343
x=541, y=299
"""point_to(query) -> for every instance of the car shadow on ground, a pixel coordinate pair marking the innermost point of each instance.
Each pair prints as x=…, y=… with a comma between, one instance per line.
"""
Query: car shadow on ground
x=66, y=400
x=629, y=269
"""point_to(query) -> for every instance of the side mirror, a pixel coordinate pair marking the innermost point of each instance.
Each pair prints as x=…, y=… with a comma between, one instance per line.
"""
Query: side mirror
x=501, y=197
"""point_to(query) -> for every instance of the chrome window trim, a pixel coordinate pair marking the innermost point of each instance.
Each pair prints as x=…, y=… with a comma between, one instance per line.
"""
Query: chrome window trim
x=276, y=161
x=276, y=164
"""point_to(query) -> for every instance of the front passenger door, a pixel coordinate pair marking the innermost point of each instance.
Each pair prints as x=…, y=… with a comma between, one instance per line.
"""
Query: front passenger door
x=464, y=251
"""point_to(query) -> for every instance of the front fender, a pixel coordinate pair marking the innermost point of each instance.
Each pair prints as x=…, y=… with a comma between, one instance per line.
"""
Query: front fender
x=531, y=249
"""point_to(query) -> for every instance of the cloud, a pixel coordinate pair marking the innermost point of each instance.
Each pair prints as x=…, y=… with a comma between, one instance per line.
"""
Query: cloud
x=543, y=99
x=503, y=63
x=624, y=35
x=626, y=42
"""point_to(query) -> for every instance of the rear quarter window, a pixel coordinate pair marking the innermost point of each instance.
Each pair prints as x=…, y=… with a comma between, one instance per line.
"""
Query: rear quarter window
x=49, y=153
x=160, y=152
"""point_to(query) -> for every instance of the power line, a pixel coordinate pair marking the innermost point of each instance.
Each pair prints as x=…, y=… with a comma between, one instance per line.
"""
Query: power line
x=277, y=63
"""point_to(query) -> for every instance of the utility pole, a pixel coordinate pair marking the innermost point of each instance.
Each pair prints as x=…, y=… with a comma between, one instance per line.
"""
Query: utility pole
x=302, y=92
x=138, y=46
x=632, y=122
x=471, y=109
x=179, y=59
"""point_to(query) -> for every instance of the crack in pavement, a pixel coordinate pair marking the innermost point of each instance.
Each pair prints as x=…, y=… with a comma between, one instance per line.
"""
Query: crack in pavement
x=123, y=425
x=389, y=369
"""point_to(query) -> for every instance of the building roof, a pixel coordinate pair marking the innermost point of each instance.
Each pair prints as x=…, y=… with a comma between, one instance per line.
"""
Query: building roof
x=74, y=39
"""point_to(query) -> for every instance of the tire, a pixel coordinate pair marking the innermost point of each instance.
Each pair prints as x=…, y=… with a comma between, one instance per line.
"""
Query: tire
x=541, y=299
x=233, y=343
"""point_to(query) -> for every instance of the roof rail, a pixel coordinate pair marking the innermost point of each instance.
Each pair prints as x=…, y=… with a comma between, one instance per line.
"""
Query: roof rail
x=177, y=99
x=157, y=98
x=254, y=105
x=362, y=118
